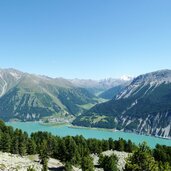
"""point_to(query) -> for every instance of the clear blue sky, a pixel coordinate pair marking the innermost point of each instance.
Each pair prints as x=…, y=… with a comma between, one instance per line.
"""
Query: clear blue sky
x=85, y=38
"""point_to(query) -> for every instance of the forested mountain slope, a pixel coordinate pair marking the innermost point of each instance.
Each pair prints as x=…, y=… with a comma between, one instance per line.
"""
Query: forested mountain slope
x=144, y=106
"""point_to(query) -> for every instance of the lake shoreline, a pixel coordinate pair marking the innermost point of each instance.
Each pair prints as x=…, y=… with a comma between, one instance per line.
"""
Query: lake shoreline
x=69, y=125
x=68, y=129
x=92, y=128
x=115, y=130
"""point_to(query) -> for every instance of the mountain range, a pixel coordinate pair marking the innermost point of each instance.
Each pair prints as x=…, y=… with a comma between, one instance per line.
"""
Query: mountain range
x=144, y=106
x=29, y=97
x=99, y=87
x=141, y=105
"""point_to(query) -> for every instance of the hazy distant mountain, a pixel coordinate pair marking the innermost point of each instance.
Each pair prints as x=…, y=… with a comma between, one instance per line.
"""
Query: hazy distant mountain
x=30, y=97
x=99, y=86
x=144, y=106
x=119, y=85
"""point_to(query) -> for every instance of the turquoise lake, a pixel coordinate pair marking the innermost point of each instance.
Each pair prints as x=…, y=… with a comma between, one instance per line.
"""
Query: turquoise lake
x=30, y=127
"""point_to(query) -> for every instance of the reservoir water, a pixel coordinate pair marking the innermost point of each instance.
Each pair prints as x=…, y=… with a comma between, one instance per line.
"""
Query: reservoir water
x=62, y=131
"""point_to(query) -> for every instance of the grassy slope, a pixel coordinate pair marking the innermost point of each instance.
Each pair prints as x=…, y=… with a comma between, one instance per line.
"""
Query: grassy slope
x=35, y=97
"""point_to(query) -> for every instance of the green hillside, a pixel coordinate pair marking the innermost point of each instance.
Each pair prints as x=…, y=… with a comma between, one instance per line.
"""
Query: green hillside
x=143, y=107
x=33, y=97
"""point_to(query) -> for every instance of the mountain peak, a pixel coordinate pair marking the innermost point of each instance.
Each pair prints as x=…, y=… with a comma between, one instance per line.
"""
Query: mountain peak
x=156, y=77
x=126, y=77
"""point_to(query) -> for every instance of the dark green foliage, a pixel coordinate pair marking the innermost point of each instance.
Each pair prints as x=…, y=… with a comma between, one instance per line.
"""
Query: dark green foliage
x=44, y=155
x=109, y=122
x=31, y=147
x=162, y=153
x=71, y=150
x=120, y=145
x=87, y=164
x=129, y=146
x=111, y=144
x=6, y=142
x=68, y=166
x=164, y=166
x=146, y=159
x=95, y=146
x=142, y=160
x=108, y=162
x=19, y=142
x=76, y=150
x=110, y=93
x=45, y=164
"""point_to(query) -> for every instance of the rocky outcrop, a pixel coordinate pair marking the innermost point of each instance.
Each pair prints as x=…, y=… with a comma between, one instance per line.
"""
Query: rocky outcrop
x=11, y=162
x=120, y=155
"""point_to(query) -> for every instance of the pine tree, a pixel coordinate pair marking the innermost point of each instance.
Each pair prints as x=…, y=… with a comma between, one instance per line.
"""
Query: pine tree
x=31, y=147
x=62, y=151
x=43, y=155
x=141, y=160
x=111, y=144
x=108, y=162
x=120, y=145
x=71, y=152
x=6, y=142
x=87, y=164
x=68, y=166
x=23, y=139
x=45, y=164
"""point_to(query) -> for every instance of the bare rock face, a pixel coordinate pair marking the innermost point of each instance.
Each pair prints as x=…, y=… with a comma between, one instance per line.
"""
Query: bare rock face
x=121, y=158
x=11, y=162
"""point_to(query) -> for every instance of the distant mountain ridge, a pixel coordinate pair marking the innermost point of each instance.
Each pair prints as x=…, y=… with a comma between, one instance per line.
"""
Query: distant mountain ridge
x=26, y=96
x=144, y=106
x=30, y=97
x=100, y=86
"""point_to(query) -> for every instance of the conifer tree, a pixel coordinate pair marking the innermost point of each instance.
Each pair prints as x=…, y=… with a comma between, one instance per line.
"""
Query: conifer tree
x=87, y=164
x=6, y=142
x=31, y=146
x=141, y=160
x=68, y=166
x=43, y=155
x=108, y=162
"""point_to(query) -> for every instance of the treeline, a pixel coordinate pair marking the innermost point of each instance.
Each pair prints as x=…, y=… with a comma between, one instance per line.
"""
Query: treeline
x=70, y=150
x=145, y=159
x=73, y=150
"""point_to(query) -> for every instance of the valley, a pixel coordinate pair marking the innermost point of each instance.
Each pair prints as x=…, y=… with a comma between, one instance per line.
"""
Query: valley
x=144, y=107
x=141, y=105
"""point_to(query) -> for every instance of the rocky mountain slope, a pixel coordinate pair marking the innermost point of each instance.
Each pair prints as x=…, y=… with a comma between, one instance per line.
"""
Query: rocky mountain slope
x=144, y=106
x=11, y=162
x=26, y=96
